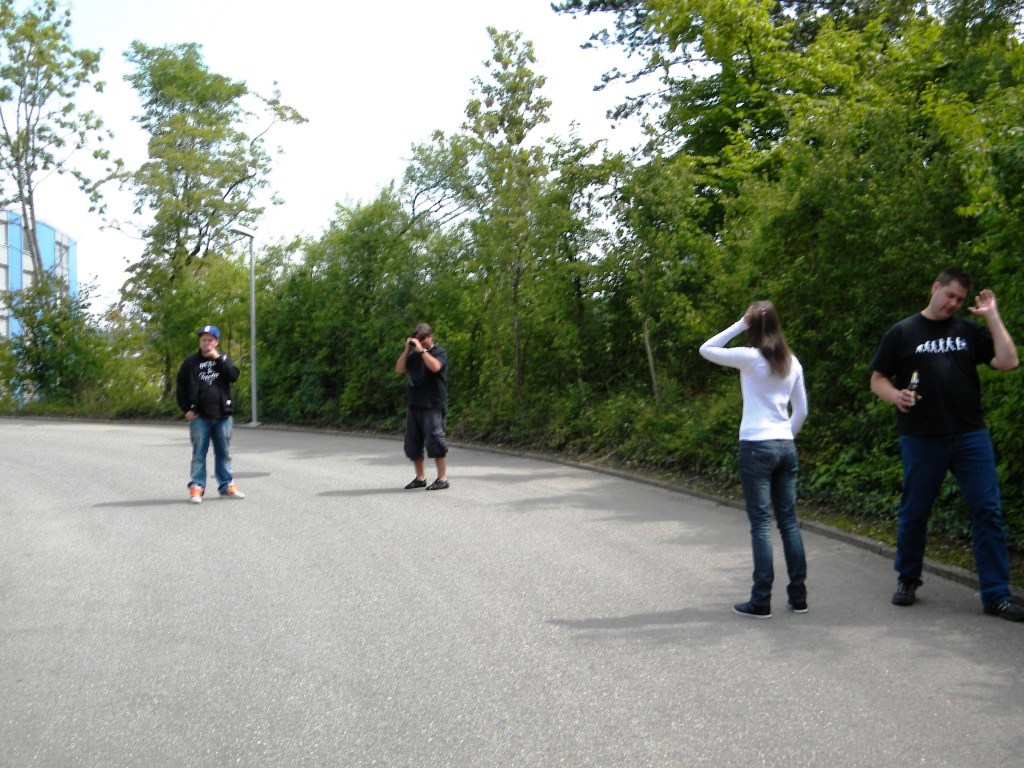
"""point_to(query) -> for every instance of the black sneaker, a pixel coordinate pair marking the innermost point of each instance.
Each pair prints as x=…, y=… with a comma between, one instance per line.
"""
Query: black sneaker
x=417, y=483
x=799, y=607
x=752, y=611
x=905, y=589
x=1006, y=610
x=437, y=485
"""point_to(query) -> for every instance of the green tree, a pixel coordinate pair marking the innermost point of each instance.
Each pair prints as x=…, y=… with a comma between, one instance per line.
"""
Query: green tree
x=59, y=354
x=663, y=264
x=522, y=218
x=576, y=199
x=9, y=380
x=506, y=109
x=205, y=171
x=334, y=323
x=41, y=128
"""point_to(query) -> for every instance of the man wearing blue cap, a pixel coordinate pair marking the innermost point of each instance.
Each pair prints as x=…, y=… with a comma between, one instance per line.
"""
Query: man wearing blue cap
x=204, y=394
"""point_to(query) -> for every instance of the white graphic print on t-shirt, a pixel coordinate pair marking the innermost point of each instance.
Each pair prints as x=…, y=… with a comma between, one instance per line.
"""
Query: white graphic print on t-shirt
x=942, y=346
x=208, y=372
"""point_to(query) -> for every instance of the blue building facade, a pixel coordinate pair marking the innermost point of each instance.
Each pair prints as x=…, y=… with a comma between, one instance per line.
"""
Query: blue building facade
x=58, y=251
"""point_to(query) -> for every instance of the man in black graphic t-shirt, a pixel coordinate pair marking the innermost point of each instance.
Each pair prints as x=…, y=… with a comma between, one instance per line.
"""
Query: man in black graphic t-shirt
x=203, y=392
x=942, y=428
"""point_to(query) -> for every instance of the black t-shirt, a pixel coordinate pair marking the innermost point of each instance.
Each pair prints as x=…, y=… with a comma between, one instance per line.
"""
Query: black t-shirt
x=427, y=389
x=946, y=354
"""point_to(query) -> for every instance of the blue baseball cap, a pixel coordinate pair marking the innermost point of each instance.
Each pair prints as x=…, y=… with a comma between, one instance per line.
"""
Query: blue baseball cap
x=210, y=329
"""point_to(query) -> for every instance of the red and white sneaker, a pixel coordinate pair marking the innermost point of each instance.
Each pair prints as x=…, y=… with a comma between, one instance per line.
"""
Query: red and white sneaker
x=232, y=492
x=195, y=494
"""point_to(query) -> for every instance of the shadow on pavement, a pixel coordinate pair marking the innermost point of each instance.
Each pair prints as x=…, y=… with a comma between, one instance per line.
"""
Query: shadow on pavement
x=364, y=492
x=176, y=502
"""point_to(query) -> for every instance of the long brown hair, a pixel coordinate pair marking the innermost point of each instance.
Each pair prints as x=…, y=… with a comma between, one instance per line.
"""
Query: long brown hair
x=765, y=333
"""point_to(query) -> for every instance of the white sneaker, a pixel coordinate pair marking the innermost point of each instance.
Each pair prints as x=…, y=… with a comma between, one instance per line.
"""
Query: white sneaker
x=195, y=494
x=232, y=492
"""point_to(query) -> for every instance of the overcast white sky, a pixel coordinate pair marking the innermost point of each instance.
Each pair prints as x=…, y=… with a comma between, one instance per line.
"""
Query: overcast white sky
x=372, y=79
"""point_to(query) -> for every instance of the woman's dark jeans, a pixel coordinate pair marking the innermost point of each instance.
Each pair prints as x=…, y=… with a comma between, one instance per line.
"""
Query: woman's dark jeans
x=768, y=470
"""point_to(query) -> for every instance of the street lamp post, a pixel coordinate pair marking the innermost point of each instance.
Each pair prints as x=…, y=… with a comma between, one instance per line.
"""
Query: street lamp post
x=238, y=229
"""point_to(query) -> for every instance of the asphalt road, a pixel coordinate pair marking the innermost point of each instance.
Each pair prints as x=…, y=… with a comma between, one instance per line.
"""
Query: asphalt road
x=535, y=614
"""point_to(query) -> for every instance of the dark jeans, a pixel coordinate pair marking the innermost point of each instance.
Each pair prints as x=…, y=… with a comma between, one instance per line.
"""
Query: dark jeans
x=425, y=427
x=768, y=470
x=971, y=459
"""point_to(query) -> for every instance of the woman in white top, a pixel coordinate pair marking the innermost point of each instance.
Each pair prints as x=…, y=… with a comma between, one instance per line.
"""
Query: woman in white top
x=771, y=380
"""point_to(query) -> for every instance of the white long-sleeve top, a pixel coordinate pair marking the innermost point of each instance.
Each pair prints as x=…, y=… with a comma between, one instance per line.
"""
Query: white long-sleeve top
x=766, y=397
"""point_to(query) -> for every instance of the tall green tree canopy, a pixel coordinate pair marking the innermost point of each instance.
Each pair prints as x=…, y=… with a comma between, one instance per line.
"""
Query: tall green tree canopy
x=41, y=128
x=520, y=202
x=207, y=165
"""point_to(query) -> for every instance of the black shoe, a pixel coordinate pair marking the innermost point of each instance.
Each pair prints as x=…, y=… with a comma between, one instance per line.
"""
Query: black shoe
x=752, y=611
x=905, y=589
x=1006, y=610
x=800, y=607
x=437, y=485
x=417, y=483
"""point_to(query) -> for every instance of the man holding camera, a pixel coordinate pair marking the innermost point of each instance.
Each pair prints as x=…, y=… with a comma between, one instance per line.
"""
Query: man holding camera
x=426, y=368
x=926, y=366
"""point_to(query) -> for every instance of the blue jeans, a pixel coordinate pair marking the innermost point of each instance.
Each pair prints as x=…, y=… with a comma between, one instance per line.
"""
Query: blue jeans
x=971, y=459
x=768, y=471
x=203, y=431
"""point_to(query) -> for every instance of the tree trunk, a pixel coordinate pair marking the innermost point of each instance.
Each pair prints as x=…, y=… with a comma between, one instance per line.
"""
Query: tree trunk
x=517, y=339
x=650, y=357
x=29, y=244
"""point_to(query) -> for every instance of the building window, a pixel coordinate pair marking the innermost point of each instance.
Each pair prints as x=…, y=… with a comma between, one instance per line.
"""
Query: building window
x=62, y=258
x=5, y=330
x=28, y=273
